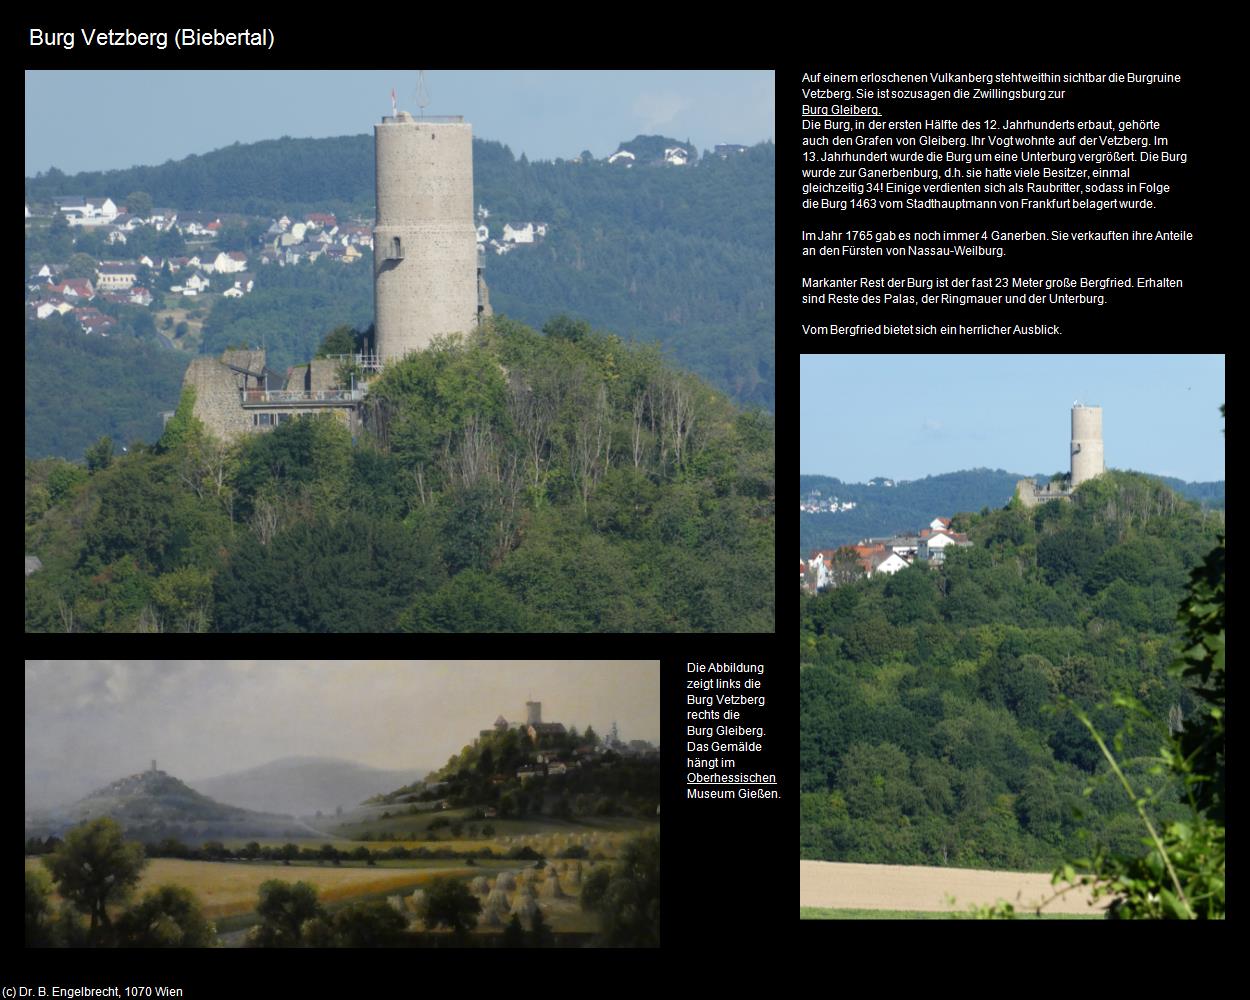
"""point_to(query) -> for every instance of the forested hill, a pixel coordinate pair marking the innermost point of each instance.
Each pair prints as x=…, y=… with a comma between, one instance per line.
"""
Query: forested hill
x=678, y=254
x=882, y=509
x=926, y=734
x=516, y=481
x=80, y=388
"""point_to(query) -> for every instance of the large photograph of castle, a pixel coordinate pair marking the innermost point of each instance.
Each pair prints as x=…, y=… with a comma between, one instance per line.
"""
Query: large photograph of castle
x=405, y=376
x=372, y=804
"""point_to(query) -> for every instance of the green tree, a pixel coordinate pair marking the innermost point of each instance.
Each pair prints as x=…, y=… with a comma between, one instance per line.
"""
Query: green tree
x=60, y=241
x=540, y=935
x=514, y=933
x=627, y=897
x=139, y=204
x=100, y=455
x=566, y=328
x=340, y=340
x=449, y=903
x=80, y=265
x=374, y=924
x=168, y=917
x=283, y=908
x=473, y=601
x=95, y=866
x=38, y=909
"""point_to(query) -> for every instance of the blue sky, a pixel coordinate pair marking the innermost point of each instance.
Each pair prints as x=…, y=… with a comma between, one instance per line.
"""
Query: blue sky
x=159, y=115
x=907, y=417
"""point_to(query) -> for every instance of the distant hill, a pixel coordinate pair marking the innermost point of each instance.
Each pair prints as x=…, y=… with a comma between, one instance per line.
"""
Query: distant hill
x=79, y=388
x=684, y=255
x=882, y=509
x=303, y=785
x=154, y=804
x=1208, y=494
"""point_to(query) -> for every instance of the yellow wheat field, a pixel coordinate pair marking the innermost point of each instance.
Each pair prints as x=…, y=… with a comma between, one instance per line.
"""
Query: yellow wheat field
x=225, y=889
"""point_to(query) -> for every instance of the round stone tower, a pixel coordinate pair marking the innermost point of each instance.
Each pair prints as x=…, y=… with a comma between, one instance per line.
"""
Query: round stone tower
x=425, y=260
x=1087, y=459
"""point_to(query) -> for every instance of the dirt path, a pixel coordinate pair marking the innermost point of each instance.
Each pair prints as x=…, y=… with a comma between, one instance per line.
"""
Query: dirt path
x=904, y=887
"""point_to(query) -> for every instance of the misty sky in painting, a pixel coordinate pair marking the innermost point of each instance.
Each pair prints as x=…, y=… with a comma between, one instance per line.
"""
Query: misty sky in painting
x=91, y=721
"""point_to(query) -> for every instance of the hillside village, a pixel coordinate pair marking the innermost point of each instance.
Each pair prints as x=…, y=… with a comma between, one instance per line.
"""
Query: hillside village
x=835, y=566
x=164, y=261
x=220, y=255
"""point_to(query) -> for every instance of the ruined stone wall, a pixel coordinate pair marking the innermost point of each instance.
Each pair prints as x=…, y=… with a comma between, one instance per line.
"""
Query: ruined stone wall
x=1031, y=494
x=217, y=396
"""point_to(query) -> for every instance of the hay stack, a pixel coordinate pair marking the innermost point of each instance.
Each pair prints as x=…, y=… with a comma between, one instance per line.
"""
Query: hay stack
x=551, y=888
x=480, y=885
x=525, y=907
x=489, y=917
x=506, y=880
x=497, y=900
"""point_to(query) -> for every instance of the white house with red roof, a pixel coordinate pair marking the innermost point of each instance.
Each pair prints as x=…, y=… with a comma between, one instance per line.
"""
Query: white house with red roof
x=75, y=288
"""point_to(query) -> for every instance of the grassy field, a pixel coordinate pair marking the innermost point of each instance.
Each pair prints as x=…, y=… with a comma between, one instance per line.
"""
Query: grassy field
x=821, y=913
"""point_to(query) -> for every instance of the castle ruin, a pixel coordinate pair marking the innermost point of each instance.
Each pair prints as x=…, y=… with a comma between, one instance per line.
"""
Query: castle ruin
x=427, y=278
x=1086, y=458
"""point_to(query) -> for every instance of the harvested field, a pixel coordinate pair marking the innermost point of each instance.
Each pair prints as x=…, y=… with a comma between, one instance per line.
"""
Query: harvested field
x=904, y=887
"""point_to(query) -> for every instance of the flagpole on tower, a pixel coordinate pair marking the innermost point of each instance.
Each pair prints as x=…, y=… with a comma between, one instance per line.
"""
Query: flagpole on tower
x=394, y=112
x=423, y=97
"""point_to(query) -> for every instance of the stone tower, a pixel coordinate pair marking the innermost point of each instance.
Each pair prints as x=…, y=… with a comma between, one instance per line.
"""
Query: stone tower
x=425, y=259
x=533, y=713
x=1087, y=461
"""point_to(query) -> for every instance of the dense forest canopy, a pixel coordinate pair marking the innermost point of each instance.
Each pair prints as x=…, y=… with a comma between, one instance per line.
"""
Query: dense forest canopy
x=79, y=388
x=926, y=735
x=515, y=481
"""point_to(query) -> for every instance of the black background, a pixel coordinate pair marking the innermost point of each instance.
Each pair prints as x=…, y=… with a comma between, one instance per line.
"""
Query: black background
x=729, y=899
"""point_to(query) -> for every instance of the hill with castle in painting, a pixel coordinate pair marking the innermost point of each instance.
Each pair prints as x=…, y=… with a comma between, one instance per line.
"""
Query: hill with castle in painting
x=153, y=805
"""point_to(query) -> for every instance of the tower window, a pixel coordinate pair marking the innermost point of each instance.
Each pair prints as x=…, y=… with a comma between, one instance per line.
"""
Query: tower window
x=396, y=249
